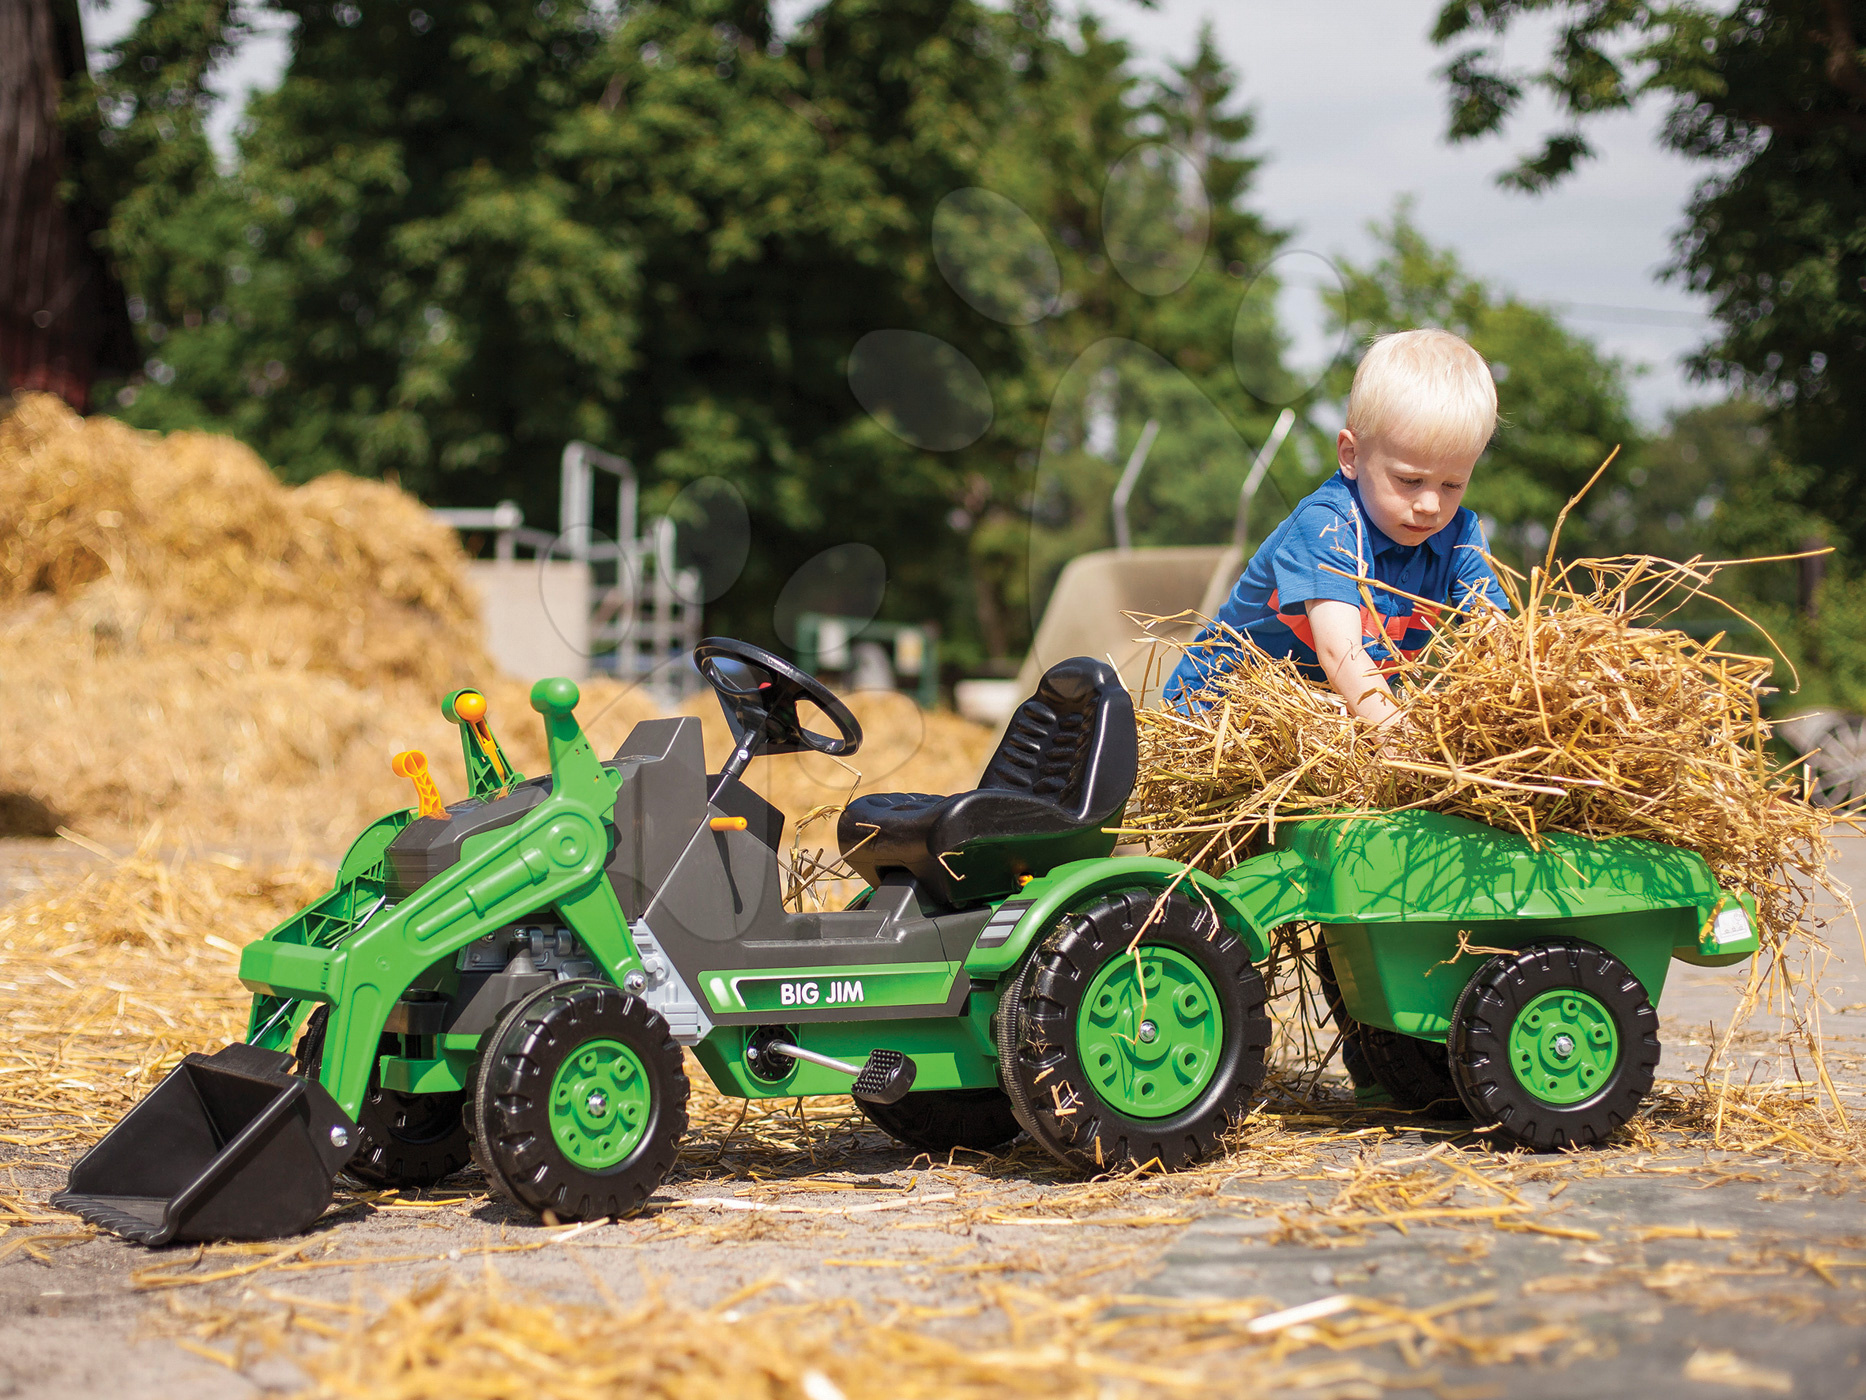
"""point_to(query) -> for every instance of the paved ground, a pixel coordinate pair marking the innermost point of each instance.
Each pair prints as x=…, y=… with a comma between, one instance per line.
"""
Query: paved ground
x=1649, y=1274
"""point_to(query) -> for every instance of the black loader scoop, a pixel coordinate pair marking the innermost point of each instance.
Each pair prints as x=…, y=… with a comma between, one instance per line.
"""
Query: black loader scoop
x=229, y=1146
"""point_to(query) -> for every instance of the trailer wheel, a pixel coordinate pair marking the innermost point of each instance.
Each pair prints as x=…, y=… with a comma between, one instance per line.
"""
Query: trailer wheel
x=1415, y=1073
x=1114, y=1056
x=1555, y=1043
x=405, y=1140
x=940, y=1120
x=580, y=1101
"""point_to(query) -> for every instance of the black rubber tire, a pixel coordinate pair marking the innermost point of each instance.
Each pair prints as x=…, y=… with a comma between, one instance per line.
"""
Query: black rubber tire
x=940, y=1121
x=1041, y=1068
x=1480, y=1030
x=1353, y=1057
x=1416, y=1073
x=512, y=1138
x=404, y=1140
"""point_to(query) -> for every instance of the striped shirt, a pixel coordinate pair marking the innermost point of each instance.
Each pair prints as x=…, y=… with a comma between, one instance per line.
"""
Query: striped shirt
x=1331, y=527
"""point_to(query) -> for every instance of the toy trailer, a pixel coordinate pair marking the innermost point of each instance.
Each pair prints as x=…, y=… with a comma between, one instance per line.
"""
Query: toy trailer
x=512, y=979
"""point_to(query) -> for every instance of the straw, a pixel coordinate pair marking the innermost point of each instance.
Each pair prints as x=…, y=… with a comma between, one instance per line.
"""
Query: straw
x=1571, y=713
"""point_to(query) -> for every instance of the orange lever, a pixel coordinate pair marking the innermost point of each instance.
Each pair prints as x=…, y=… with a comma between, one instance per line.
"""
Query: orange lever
x=470, y=705
x=726, y=824
x=413, y=765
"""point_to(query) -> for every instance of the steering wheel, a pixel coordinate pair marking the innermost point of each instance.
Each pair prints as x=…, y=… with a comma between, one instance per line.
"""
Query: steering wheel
x=759, y=693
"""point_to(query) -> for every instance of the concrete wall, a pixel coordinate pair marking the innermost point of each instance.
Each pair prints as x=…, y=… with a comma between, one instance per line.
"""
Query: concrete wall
x=537, y=615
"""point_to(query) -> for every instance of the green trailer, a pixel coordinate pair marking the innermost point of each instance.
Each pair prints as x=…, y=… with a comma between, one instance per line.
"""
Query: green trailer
x=512, y=979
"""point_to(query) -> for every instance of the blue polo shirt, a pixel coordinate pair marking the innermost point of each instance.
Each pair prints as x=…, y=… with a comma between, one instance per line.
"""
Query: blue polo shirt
x=1332, y=527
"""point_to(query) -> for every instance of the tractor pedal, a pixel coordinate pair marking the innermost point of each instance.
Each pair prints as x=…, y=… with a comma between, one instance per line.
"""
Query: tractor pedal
x=885, y=1079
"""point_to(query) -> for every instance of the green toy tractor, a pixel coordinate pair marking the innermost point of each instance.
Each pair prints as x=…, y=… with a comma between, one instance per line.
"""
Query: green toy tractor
x=511, y=979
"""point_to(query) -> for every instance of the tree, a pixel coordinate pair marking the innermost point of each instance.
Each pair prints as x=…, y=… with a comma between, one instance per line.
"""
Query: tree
x=1562, y=403
x=1771, y=95
x=1139, y=190
x=63, y=317
x=456, y=236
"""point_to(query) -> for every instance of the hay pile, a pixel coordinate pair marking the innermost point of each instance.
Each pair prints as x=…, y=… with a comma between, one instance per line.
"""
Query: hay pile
x=184, y=640
x=1575, y=712
x=147, y=541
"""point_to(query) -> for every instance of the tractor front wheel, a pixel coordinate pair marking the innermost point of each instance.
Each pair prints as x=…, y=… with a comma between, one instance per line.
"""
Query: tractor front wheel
x=579, y=1102
x=1135, y=1034
x=405, y=1140
x=1555, y=1043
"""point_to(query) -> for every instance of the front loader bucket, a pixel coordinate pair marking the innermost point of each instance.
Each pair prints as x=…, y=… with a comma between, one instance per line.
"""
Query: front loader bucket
x=229, y=1146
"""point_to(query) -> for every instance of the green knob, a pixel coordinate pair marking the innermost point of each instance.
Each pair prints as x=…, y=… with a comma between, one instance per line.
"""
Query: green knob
x=557, y=696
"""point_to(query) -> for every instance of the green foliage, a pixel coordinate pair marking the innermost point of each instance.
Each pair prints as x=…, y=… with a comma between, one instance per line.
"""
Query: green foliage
x=456, y=237
x=1161, y=313
x=1703, y=486
x=1562, y=403
x=1771, y=94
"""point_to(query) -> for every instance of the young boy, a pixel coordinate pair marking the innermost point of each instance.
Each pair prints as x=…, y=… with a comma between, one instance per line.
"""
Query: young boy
x=1422, y=409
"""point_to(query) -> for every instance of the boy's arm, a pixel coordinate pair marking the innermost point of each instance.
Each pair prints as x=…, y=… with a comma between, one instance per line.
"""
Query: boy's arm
x=1350, y=670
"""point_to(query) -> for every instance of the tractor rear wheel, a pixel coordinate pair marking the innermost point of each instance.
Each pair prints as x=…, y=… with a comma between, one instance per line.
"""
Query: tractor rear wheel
x=1116, y=1052
x=940, y=1121
x=405, y=1140
x=1555, y=1043
x=579, y=1102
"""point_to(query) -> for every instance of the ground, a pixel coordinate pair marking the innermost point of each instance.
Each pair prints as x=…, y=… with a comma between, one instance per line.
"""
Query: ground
x=1664, y=1266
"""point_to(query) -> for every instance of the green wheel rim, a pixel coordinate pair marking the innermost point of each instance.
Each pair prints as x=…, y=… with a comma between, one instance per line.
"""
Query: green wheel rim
x=1150, y=1031
x=1564, y=1046
x=600, y=1102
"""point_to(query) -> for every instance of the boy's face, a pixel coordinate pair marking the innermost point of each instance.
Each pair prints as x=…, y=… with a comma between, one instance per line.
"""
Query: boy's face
x=1409, y=495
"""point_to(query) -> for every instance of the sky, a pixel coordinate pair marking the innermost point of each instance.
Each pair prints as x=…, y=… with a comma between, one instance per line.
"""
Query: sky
x=1350, y=118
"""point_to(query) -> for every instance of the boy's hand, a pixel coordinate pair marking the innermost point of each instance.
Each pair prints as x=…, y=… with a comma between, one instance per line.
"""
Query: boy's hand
x=1350, y=670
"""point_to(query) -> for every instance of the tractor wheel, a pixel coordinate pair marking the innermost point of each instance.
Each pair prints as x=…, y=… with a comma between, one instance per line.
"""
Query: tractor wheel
x=1555, y=1043
x=1114, y=1056
x=1415, y=1073
x=580, y=1101
x=941, y=1120
x=405, y=1140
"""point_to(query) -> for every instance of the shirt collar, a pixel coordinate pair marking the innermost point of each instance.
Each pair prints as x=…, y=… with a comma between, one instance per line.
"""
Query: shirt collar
x=1439, y=541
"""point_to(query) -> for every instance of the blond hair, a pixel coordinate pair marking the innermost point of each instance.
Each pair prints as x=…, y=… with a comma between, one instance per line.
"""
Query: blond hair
x=1428, y=389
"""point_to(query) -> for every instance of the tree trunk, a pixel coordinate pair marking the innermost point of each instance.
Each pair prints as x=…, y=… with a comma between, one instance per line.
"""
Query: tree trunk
x=63, y=317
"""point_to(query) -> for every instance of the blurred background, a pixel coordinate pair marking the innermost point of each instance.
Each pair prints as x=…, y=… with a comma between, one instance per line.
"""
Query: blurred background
x=847, y=328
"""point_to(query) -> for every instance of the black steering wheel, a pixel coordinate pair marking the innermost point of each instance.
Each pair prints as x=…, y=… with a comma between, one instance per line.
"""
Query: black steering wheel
x=759, y=693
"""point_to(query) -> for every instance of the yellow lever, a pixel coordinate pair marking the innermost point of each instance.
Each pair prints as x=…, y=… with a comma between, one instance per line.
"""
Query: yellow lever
x=726, y=824
x=413, y=765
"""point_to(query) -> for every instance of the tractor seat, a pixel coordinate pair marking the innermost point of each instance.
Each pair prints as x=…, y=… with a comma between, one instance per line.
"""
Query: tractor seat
x=1062, y=772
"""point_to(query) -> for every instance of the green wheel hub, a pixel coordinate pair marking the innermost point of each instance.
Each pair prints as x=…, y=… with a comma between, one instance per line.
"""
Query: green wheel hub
x=600, y=1102
x=1150, y=1031
x=1564, y=1046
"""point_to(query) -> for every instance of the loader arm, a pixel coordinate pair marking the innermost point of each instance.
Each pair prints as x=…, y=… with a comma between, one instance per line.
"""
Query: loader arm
x=553, y=856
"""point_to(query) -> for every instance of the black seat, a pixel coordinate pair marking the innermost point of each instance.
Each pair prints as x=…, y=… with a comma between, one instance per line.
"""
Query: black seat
x=1062, y=772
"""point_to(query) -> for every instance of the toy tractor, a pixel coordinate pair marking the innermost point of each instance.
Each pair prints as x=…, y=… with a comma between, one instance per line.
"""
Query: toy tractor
x=511, y=979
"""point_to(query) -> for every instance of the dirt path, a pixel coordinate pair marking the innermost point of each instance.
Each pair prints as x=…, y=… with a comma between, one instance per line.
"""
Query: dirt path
x=1657, y=1270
